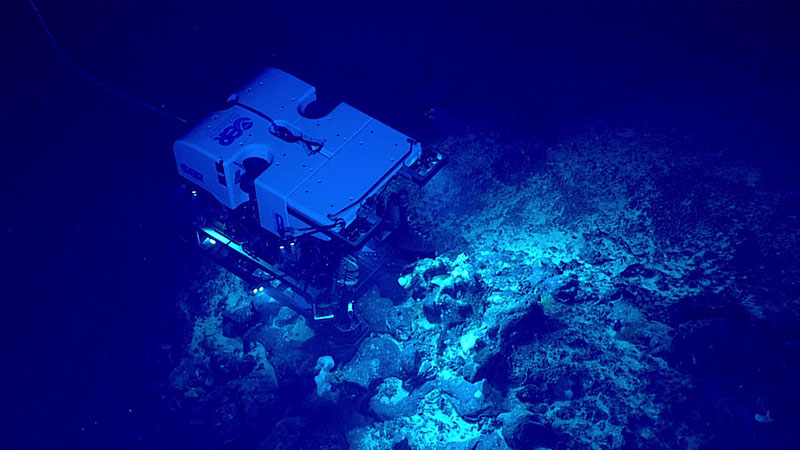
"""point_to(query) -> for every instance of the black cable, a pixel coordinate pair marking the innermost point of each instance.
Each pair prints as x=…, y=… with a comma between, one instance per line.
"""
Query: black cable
x=254, y=111
x=92, y=79
x=282, y=132
x=317, y=229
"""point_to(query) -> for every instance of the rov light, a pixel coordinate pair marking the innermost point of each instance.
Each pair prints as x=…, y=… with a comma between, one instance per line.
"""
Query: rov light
x=211, y=241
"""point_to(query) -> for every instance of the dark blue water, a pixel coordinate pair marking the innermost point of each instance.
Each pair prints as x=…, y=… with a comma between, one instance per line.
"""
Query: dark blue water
x=92, y=215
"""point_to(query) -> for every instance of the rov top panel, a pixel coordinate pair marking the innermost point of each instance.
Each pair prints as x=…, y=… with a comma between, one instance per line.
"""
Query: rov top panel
x=358, y=153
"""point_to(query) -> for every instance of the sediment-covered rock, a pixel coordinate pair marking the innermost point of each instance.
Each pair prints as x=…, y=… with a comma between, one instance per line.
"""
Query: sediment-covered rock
x=377, y=358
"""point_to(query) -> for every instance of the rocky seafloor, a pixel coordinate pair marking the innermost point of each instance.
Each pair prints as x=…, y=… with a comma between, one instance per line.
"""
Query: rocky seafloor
x=619, y=288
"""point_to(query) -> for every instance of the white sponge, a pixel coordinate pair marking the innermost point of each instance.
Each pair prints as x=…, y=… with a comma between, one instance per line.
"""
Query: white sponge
x=323, y=378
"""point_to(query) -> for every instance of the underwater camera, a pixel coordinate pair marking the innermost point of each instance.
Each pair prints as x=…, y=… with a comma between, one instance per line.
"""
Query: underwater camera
x=304, y=207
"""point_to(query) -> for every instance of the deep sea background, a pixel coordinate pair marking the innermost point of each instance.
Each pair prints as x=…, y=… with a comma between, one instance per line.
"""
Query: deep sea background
x=92, y=214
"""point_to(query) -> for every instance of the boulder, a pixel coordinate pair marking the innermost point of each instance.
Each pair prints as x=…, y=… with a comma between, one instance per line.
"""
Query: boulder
x=376, y=359
x=532, y=434
x=456, y=312
x=492, y=441
x=284, y=316
x=374, y=312
x=265, y=335
x=400, y=321
x=411, y=359
x=469, y=399
x=286, y=355
x=392, y=400
x=226, y=367
x=432, y=308
x=521, y=328
x=522, y=431
x=265, y=306
x=192, y=377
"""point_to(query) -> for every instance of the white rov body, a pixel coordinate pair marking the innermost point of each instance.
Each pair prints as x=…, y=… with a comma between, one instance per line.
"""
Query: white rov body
x=318, y=171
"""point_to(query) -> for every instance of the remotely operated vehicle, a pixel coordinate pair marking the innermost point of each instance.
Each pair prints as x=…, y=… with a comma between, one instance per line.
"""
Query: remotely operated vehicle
x=300, y=203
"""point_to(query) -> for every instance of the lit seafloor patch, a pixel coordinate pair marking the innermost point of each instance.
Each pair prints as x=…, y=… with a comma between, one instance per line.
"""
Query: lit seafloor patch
x=590, y=294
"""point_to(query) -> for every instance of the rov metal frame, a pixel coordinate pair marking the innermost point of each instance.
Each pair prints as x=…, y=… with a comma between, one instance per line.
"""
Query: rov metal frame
x=263, y=276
